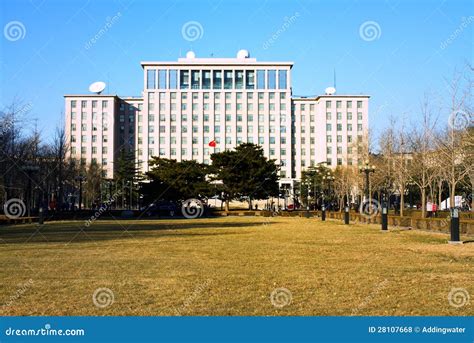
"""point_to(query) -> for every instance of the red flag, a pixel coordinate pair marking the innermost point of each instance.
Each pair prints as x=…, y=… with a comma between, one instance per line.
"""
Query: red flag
x=212, y=143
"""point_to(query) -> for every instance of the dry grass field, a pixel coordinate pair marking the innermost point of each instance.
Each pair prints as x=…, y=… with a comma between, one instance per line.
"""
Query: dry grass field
x=231, y=266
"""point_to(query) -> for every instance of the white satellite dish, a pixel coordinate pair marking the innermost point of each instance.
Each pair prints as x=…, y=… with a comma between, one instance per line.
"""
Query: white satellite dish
x=97, y=87
x=190, y=54
x=330, y=90
x=243, y=54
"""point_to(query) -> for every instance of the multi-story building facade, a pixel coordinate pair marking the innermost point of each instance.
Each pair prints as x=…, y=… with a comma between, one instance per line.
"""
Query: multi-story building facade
x=191, y=102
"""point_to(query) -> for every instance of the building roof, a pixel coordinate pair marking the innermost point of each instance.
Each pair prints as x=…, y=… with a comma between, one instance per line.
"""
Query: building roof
x=242, y=59
x=317, y=97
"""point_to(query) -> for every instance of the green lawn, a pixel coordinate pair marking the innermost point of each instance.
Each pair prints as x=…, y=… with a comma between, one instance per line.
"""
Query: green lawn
x=231, y=266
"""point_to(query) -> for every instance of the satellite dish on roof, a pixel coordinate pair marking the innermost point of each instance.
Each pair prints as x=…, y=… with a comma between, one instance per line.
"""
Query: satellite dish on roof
x=330, y=90
x=190, y=54
x=97, y=87
x=243, y=54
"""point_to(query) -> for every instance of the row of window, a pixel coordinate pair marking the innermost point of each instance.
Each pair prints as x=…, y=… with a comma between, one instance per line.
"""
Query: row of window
x=95, y=103
x=339, y=104
x=217, y=95
x=216, y=79
x=217, y=107
x=348, y=116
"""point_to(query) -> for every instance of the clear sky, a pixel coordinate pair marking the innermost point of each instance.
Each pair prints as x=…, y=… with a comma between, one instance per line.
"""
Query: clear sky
x=393, y=50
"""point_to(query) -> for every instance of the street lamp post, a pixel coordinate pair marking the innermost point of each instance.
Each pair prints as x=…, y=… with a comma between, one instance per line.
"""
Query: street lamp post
x=367, y=169
x=328, y=178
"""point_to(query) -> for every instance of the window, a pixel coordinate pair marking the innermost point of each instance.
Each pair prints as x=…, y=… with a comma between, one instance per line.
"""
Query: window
x=359, y=104
x=338, y=104
x=228, y=79
x=239, y=79
x=151, y=78
x=206, y=79
x=184, y=79
x=217, y=80
x=83, y=104
x=282, y=84
x=261, y=79
x=173, y=83
x=250, y=80
x=349, y=104
x=272, y=79
x=328, y=127
x=162, y=79
x=73, y=103
x=195, y=79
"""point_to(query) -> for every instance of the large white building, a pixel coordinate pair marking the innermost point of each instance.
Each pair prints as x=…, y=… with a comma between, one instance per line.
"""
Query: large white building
x=188, y=103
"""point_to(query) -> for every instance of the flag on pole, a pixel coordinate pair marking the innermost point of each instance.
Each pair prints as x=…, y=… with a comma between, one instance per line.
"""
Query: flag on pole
x=212, y=143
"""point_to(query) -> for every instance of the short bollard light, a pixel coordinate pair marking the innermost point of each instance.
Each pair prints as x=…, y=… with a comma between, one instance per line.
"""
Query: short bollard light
x=346, y=215
x=323, y=213
x=384, y=218
x=454, y=227
x=41, y=216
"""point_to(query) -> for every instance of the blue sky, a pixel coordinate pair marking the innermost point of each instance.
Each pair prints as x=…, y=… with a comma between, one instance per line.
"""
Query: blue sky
x=410, y=53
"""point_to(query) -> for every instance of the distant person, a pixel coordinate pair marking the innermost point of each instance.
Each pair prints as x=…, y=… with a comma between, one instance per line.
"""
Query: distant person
x=256, y=207
x=434, y=208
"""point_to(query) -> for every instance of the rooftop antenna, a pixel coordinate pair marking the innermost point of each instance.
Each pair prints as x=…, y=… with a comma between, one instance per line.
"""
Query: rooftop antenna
x=334, y=83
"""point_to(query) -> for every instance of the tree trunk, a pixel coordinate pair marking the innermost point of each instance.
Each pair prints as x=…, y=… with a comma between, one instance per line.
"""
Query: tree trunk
x=452, y=194
x=402, y=201
x=423, y=202
x=440, y=191
x=226, y=205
